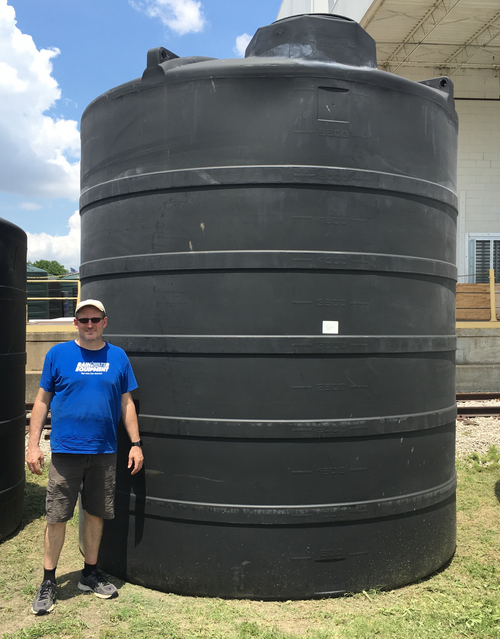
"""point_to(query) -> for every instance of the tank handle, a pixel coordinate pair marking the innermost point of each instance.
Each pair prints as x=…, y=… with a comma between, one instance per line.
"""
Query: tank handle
x=161, y=60
x=442, y=83
x=158, y=55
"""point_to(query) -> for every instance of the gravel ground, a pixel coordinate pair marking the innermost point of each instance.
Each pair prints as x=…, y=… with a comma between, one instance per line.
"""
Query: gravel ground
x=474, y=435
x=477, y=434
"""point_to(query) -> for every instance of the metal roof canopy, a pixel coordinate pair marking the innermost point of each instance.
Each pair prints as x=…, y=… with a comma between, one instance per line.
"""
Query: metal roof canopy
x=445, y=34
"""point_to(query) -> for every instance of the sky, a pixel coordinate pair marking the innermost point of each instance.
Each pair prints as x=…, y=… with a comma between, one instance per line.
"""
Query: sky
x=56, y=56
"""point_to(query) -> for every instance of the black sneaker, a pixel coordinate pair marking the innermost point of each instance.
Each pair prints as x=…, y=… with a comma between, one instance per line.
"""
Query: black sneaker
x=45, y=598
x=97, y=583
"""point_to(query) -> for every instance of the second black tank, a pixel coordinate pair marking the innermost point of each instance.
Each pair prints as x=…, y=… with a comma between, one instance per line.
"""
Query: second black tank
x=13, y=243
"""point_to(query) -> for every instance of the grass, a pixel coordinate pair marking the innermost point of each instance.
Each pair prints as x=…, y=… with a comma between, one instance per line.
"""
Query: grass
x=490, y=460
x=463, y=600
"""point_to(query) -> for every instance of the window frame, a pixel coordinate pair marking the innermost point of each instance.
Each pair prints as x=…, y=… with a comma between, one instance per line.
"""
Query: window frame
x=472, y=238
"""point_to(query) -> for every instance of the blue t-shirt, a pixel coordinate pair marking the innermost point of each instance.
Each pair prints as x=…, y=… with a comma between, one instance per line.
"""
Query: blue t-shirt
x=87, y=388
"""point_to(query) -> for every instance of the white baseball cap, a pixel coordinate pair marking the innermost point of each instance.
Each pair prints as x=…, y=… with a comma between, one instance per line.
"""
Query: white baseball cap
x=95, y=303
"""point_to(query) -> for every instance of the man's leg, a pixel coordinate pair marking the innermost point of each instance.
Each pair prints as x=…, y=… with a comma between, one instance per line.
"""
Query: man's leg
x=97, y=496
x=91, y=579
x=62, y=490
x=54, y=541
x=52, y=546
x=92, y=533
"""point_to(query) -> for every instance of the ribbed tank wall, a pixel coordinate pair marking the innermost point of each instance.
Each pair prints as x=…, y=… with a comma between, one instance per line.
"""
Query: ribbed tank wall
x=13, y=244
x=274, y=240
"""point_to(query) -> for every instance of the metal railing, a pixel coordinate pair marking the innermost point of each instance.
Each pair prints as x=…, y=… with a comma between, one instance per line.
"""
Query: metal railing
x=493, y=297
x=52, y=298
x=492, y=322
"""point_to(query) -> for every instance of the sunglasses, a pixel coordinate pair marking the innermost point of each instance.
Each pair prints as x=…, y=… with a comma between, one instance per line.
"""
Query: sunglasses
x=86, y=320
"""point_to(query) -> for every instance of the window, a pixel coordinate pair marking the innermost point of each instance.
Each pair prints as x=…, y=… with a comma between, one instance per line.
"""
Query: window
x=484, y=254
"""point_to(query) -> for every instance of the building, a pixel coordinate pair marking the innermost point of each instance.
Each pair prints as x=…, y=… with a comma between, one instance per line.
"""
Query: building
x=422, y=39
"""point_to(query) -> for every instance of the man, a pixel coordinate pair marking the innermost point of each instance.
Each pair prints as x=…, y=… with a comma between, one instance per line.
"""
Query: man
x=87, y=384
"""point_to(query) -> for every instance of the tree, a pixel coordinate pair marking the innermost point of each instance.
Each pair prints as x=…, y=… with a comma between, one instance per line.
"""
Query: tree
x=52, y=267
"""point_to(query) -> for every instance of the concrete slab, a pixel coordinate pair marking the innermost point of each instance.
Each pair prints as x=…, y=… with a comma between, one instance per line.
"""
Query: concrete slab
x=38, y=345
x=476, y=378
x=478, y=346
x=32, y=385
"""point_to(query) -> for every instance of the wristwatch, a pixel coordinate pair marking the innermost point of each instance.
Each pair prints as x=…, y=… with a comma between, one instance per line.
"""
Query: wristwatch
x=139, y=443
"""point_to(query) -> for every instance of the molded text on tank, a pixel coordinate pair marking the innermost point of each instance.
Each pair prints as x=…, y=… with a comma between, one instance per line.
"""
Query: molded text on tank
x=333, y=133
x=330, y=301
x=334, y=175
x=330, y=554
x=337, y=176
x=332, y=345
x=332, y=470
x=339, y=470
x=342, y=428
x=332, y=220
x=334, y=260
x=331, y=387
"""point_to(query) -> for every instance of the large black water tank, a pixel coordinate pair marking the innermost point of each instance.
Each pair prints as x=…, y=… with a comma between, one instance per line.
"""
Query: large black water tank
x=13, y=243
x=274, y=241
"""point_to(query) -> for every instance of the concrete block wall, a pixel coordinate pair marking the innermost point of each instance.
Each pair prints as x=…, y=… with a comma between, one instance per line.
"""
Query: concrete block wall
x=478, y=174
x=478, y=360
x=37, y=346
x=479, y=166
x=478, y=106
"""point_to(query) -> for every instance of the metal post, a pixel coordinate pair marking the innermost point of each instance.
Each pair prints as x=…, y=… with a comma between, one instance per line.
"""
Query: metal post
x=492, y=296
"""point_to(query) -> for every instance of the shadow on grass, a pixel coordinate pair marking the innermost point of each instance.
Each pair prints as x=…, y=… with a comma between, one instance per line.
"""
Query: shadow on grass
x=497, y=490
x=34, y=502
x=34, y=507
x=67, y=585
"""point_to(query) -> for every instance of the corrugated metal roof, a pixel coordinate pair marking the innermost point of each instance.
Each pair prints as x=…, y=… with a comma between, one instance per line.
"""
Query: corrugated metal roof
x=445, y=34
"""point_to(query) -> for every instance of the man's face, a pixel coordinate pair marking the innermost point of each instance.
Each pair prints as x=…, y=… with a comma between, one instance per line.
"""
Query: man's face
x=90, y=332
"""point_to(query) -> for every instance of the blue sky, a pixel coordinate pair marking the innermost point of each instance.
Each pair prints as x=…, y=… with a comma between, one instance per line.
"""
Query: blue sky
x=56, y=56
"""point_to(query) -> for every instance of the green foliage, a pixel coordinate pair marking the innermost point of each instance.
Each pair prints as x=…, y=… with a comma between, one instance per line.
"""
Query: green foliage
x=53, y=267
x=486, y=574
x=125, y=613
x=63, y=628
x=248, y=630
x=489, y=461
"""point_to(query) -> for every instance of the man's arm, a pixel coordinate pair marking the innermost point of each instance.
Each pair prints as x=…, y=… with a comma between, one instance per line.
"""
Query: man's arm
x=34, y=455
x=129, y=417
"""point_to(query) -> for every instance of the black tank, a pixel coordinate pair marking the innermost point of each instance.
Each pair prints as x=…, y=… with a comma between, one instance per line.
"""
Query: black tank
x=274, y=240
x=13, y=242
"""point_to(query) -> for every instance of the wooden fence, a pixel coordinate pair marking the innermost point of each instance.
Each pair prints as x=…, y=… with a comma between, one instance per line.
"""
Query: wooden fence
x=478, y=302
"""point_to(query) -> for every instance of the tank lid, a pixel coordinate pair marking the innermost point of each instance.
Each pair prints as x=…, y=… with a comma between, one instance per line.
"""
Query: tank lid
x=319, y=37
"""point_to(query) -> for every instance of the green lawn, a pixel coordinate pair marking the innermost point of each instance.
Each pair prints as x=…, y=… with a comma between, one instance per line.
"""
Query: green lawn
x=463, y=600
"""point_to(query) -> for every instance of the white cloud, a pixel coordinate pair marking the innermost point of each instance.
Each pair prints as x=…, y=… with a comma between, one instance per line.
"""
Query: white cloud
x=182, y=16
x=38, y=154
x=30, y=206
x=241, y=44
x=65, y=249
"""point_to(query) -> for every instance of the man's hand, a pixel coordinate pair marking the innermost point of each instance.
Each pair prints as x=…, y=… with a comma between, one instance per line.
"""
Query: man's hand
x=34, y=455
x=129, y=417
x=135, y=459
x=35, y=460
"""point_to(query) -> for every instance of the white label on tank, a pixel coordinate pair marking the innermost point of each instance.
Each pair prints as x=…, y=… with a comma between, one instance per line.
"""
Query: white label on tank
x=330, y=327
